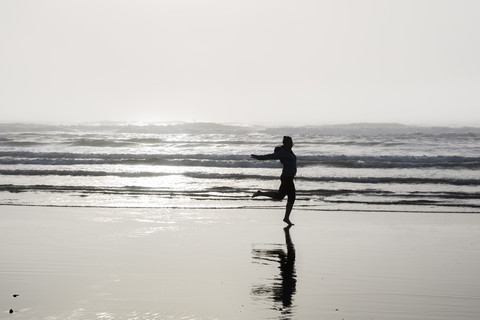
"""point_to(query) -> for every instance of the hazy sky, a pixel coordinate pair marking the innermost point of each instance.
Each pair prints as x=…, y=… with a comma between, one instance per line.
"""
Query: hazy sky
x=297, y=62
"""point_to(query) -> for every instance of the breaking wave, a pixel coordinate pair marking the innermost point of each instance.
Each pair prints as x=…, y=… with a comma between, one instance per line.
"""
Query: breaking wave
x=240, y=161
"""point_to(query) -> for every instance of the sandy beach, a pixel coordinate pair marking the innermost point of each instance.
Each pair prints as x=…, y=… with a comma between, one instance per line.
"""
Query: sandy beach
x=98, y=263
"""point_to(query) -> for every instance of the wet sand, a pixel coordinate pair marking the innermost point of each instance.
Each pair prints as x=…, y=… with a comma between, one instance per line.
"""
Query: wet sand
x=95, y=263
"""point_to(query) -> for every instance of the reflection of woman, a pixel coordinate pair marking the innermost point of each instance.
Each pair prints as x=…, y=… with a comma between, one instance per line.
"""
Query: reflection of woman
x=287, y=187
x=284, y=286
x=287, y=272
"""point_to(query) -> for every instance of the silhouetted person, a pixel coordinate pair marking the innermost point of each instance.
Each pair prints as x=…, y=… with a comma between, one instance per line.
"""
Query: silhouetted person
x=287, y=187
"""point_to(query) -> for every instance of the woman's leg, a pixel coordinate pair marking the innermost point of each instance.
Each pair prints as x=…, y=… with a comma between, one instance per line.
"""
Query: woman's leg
x=288, y=210
x=291, y=192
x=270, y=194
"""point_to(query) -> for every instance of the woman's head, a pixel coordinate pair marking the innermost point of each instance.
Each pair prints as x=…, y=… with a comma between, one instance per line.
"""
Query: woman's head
x=287, y=142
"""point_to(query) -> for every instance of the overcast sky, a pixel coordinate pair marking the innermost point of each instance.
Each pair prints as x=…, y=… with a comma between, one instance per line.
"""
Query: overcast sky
x=286, y=62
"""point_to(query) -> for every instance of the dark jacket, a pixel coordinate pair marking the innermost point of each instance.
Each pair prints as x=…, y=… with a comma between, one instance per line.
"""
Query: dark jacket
x=286, y=157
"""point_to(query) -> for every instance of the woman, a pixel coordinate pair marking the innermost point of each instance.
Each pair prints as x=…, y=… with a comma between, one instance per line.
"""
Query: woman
x=287, y=187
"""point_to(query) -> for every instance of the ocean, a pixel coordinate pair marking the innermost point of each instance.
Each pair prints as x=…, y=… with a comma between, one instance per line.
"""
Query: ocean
x=357, y=167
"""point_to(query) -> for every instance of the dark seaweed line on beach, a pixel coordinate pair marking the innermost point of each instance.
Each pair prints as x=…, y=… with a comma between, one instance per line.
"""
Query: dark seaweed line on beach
x=134, y=190
x=314, y=197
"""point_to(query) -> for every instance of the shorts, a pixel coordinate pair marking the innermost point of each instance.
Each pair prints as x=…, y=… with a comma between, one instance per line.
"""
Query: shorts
x=287, y=188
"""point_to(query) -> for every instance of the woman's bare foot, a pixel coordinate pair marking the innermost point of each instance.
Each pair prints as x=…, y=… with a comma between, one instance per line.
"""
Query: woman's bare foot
x=256, y=194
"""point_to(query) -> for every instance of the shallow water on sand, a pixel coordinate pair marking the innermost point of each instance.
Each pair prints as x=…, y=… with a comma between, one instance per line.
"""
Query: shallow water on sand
x=237, y=264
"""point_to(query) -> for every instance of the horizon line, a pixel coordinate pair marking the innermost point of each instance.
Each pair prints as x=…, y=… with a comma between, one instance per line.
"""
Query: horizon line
x=229, y=123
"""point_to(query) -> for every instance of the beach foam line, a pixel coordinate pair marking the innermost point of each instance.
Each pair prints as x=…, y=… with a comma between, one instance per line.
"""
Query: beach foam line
x=238, y=176
x=278, y=208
